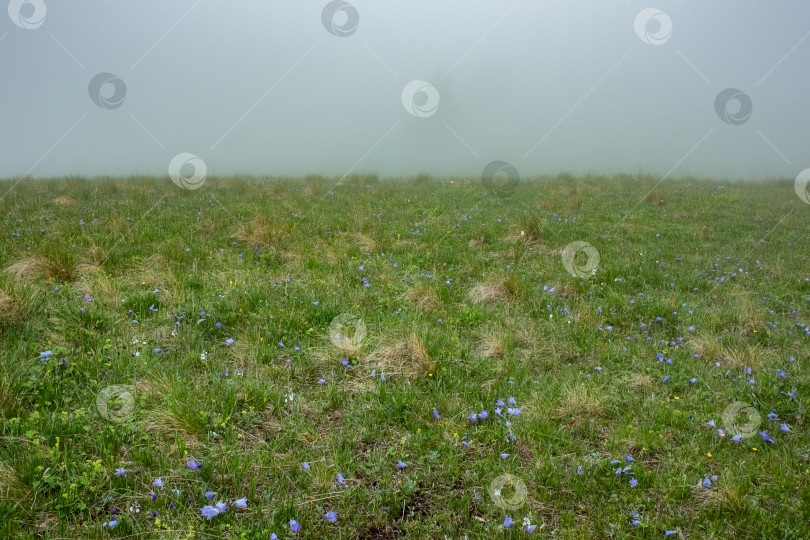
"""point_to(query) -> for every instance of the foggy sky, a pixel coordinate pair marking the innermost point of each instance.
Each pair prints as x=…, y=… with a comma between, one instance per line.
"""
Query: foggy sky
x=262, y=87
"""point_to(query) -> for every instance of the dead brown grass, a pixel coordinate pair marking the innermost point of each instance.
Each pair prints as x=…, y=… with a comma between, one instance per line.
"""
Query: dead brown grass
x=424, y=297
x=260, y=232
x=578, y=403
x=16, y=304
x=728, y=496
x=11, y=487
x=491, y=346
x=61, y=266
x=476, y=243
x=364, y=243
x=9, y=395
x=654, y=198
x=64, y=201
x=707, y=346
x=207, y=226
x=747, y=355
x=640, y=381
x=407, y=358
x=493, y=291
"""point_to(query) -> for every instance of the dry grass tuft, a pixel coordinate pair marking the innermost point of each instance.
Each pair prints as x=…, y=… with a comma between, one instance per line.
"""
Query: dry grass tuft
x=365, y=243
x=727, y=497
x=406, y=358
x=424, y=297
x=502, y=290
x=93, y=260
x=530, y=229
x=578, y=403
x=747, y=355
x=30, y=268
x=488, y=292
x=275, y=190
x=640, y=381
x=11, y=487
x=477, y=243
x=16, y=304
x=654, y=198
x=207, y=226
x=707, y=346
x=9, y=396
x=64, y=201
x=491, y=345
x=169, y=424
x=260, y=232
x=58, y=266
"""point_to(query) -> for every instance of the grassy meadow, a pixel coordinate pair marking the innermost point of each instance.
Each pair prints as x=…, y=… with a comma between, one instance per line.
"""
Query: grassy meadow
x=163, y=350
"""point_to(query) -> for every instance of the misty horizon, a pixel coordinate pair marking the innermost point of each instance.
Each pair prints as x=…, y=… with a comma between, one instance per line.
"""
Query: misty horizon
x=681, y=89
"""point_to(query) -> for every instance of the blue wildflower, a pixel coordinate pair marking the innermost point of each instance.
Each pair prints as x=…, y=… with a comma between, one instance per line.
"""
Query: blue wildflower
x=208, y=511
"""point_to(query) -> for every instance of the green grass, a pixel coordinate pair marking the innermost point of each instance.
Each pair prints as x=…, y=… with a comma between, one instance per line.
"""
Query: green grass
x=459, y=313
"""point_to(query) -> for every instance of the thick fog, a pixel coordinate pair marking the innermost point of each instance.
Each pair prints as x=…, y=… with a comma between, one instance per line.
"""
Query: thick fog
x=300, y=87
